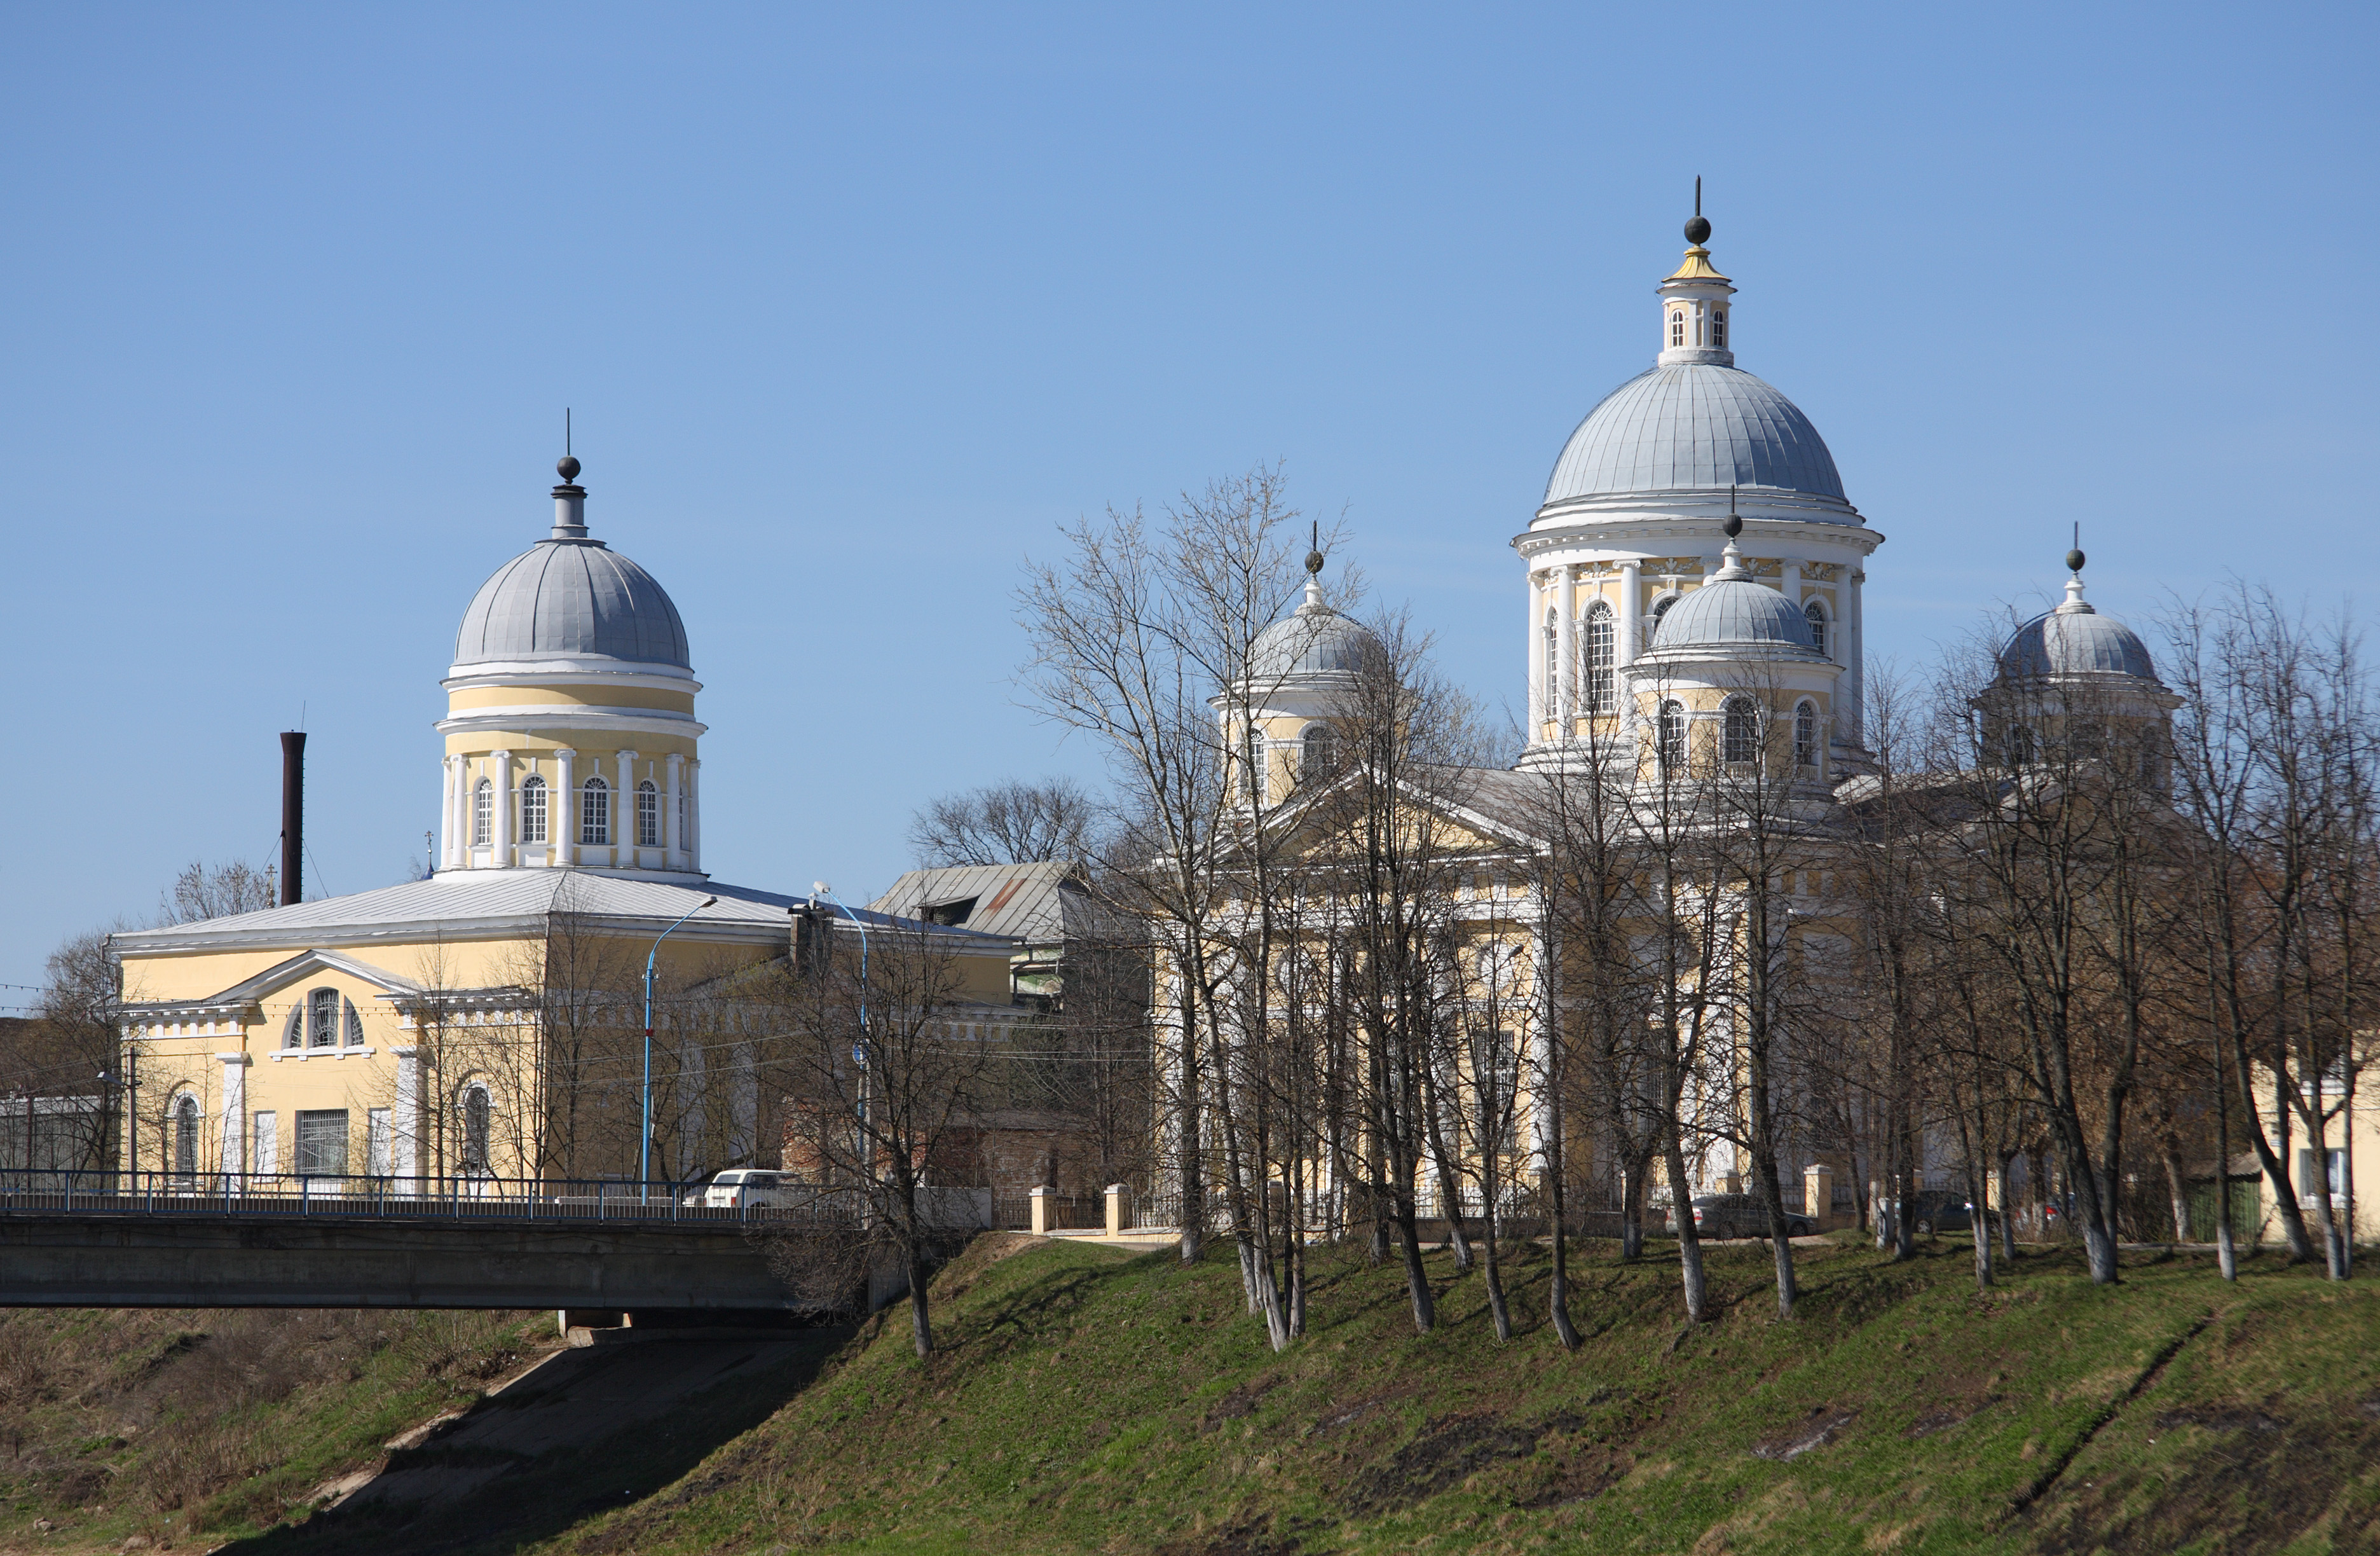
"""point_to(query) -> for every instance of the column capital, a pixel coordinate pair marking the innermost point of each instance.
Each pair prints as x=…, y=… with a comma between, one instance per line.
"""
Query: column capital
x=566, y=750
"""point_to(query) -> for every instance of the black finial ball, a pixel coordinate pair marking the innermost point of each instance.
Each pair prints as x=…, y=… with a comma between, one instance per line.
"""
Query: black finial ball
x=2073, y=561
x=1313, y=562
x=1734, y=525
x=567, y=468
x=1698, y=231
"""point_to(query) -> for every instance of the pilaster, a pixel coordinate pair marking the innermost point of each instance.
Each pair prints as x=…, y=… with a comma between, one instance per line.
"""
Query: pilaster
x=562, y=810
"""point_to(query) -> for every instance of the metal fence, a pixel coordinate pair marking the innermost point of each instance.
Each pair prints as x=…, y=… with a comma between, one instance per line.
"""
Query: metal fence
x=451, y=1198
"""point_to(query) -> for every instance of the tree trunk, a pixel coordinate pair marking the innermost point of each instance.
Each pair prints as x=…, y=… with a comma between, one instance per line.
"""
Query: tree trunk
x=1690, y=1242
x=921, y=1329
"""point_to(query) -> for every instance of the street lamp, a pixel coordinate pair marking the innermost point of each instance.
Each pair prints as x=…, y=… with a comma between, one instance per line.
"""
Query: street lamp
x=644, y=1143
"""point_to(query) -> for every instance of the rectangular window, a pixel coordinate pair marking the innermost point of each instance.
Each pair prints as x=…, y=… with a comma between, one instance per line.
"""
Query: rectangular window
x=483, y=813
x=376, y=1142
x=265, y=1159
x=321, y=1142
x=649, y=815
x=2310, y=1176
x=533, y=810
x=595, y=813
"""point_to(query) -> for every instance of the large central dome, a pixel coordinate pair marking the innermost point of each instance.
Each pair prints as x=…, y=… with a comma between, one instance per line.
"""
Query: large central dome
x=1694, y=426
x=572, y=598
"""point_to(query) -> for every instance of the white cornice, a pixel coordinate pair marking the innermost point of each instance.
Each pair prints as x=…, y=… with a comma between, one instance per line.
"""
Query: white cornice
x=1616, y=539
x=587, y=672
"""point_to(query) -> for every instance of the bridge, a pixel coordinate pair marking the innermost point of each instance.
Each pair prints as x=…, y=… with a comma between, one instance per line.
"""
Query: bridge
x=216, y=1240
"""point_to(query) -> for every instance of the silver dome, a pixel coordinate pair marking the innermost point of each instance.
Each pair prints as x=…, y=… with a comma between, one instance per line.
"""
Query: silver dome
x=1315, y=639
x=1695, y=425
x=572, y=597
x=2074, y=639
x=1737, y=615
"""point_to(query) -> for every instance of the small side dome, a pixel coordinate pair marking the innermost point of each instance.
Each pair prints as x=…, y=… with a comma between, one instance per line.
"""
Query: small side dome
x=572, y=599
x=1737, y=615
x=1314, y=640
x=2083, y=642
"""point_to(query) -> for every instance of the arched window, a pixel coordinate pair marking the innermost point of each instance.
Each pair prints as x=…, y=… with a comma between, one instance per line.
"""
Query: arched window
x=478, y=1113
x=1595, y=655
x=1742, y=736
x=533, y=809
x=1817, y=618
x=1805, y=734
x=1678, y=328
x=1653, y=619
x=1669, y=737
x=483, y=812
x=355, y=1023
x=186, y=1136
x=323, y=1018
x=595, y=811
x=1252, y=755
x=1718, y=327
x=1553, y=667
x=649, y=815
x=294, y=1034
x=1320, y=758
x=2020, y=746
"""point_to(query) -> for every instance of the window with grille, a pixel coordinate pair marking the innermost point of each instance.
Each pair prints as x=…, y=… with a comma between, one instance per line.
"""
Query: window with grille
x=649, y=815
x=483, y=812
x=323, y=1018
x=1321, y=755
x=294, y=1034
x=1742, y=734
x=323, y=1142
x=1669, y=737
x=1805, y=734
x=533, y=809
x=1817, y=616
x=595, y=812
x=1596, y=639
x=186, y=1136
x=478, y=1115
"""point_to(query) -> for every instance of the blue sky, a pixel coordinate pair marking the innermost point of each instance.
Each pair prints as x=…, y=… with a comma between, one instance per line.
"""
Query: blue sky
x=855, y=304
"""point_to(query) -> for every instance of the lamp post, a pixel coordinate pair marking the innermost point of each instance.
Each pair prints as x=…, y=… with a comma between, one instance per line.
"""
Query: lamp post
x=645, y=1142
x=860, y=1049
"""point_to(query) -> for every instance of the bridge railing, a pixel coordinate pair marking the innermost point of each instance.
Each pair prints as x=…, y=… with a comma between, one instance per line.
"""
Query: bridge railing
x=459, y=1198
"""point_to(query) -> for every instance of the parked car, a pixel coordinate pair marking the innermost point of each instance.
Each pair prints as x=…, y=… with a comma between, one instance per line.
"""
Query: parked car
x=751, y=1188
x=1739, y=1215
x=1936, y=1209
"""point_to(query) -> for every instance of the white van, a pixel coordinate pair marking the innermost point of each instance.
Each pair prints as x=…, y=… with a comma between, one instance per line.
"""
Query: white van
x=755, y=1189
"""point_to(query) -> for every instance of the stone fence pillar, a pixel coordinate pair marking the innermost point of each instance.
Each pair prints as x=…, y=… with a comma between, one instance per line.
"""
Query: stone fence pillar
x=1040, y=1199
x=1818, y=1191
x=1116, y=1193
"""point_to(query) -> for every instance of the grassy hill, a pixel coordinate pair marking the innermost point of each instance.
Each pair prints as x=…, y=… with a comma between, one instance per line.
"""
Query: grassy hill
x=1088, y=1401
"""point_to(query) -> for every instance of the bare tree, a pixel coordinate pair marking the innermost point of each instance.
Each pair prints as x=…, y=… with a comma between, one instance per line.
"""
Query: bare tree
x=204, y=891
x=1010, y=822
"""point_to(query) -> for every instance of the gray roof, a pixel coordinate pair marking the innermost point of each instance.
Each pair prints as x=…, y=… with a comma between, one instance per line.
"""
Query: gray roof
x=1736, y=613
x=484, y=903
x=1312, y=640
x=1040, y=904
x=2074, y=639
x=1695, y=425
x=567, y=596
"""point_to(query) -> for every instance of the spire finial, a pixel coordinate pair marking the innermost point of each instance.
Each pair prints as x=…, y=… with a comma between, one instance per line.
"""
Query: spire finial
x=1314, y=569
x=1698, y=230
x=2075, y=559
x=567, y=466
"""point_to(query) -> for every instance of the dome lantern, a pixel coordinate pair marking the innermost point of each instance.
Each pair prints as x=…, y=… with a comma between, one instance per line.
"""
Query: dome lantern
x=1695, y=323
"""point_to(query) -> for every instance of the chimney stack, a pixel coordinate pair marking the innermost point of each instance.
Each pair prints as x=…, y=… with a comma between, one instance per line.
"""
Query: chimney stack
x=293, y=816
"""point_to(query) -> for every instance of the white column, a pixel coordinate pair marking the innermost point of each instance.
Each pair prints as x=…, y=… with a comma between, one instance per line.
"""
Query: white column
x=1789, y=580
x=235, y=1113
x=447, y=816
x=694, y=816
x=1631, y=604
x=1537, y=710
x=1854, y=679
x=562, y=810
x=624, y=813
x=459, y=822
x=1566, y=653
x=500, y=835
x=405, y=1131
x=672, y=844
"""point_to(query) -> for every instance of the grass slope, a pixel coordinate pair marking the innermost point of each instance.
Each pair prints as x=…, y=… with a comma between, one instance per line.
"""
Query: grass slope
x=1087, y=1400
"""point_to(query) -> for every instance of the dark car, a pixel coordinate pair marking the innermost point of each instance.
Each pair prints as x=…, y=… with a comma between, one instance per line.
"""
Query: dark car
x=1740, y=1215
x=1937, y=1210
